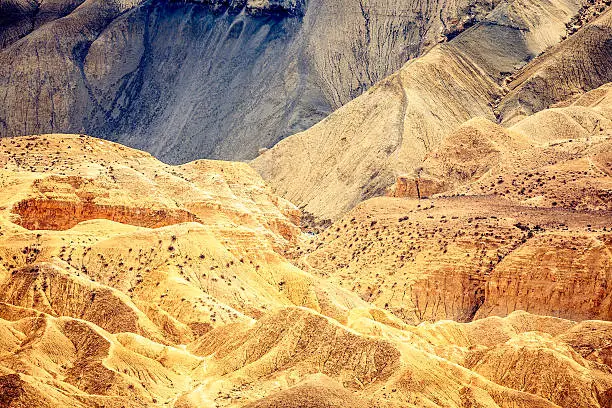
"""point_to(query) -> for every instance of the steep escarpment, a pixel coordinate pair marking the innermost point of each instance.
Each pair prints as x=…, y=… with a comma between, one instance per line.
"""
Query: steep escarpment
x=205, y=79
x=35, y=214
x=557, y=274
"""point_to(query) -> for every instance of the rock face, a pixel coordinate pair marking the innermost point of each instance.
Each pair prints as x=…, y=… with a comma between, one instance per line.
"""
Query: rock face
x=556, y=274
x=54, y=214
x=205, y=79
x=416, y=187
x=291, y=7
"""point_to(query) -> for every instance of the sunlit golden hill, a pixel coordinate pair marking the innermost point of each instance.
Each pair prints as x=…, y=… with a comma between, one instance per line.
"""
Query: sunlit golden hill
x=128, y=282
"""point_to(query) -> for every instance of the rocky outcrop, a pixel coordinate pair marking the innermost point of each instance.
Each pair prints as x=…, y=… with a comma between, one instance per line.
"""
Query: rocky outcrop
x=561, y=275
x=254, y=7
x=50, y=214
x=291, y=7
x=516, y=221
x=100, y=180
x=416, y=187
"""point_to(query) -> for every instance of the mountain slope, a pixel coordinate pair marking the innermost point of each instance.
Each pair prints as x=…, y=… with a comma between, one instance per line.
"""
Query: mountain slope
x=205, y=79
x=496, y=220
x=356, y=152
x=577, y=65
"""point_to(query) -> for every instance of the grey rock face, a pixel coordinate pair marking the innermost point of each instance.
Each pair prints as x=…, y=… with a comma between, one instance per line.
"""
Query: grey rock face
x=254, y=7
x=290, y=7
x=207, y=78
x=220, y=94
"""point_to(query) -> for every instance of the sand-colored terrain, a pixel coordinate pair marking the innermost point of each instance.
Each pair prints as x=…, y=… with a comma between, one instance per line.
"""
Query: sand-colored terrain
x=128, y=282
x=495, y=220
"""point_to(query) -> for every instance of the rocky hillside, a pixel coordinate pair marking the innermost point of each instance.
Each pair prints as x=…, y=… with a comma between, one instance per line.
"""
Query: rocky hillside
x=126, y=282
x=495, y=220
x=205, y=79
x=359, y=150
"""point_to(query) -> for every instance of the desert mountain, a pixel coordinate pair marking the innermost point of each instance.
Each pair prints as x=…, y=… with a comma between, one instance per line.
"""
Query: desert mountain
x=205, y=78
x=209, y=233
x=442, y=239
x=359, y=150
x=496, y=220
x=194, y=286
